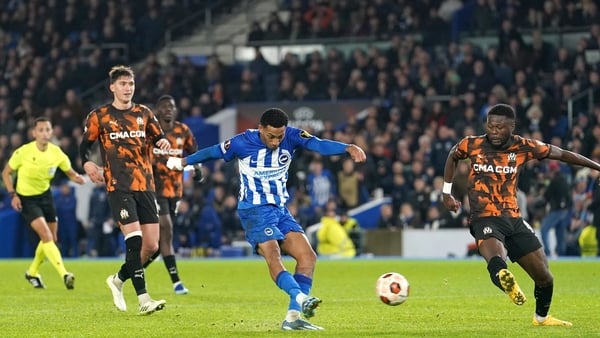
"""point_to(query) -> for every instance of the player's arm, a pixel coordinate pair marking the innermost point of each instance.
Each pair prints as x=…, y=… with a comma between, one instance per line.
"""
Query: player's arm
x=155, y=132
x=330, y=147
x=15, y=201
x=90, y=135
x=191, y=146
x=557, y=153
x=75, y=176
x=449, y=168
x=203, y=155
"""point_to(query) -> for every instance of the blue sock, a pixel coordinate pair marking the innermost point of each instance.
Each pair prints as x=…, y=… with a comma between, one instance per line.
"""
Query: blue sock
x=305, y=284
x=286, y=282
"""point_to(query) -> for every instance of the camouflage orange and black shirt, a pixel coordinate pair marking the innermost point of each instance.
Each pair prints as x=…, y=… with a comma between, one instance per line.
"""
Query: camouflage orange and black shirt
x=169, y=183
x=124, y=135
x=492, y=187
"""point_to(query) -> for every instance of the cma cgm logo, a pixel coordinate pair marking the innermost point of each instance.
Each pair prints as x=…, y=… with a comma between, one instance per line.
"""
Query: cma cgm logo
x=126, y=134
x=498, y=169
x=174, y=152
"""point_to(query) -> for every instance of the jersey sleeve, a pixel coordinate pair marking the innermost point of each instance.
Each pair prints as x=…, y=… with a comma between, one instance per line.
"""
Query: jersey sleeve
x=153, y=130
x=462, y=148
x=540, y=150
x=16, y=159
x=91, y=133
x=230, y=148
x=190, y=145
x=92, y=127
x=65, y=162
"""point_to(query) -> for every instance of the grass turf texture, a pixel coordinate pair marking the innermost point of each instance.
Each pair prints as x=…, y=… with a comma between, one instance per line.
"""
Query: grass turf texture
x=235, y=298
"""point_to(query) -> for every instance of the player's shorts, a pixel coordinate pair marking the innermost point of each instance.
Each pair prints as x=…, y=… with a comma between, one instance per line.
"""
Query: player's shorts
x=266, y=223
x=515, y=233
x=167, y=206
x=132, y=206
x=38, y=206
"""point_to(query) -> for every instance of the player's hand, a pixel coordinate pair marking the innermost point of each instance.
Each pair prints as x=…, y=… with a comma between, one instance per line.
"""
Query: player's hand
x=15, y=203
x=357, y=154
x=93, y=171
x=79, y=179
x=451, y=203
x=163, y=144
x=175, y=163
x=198, y=174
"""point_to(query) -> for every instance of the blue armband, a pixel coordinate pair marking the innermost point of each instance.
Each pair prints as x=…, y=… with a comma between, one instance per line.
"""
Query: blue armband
x=206, y=154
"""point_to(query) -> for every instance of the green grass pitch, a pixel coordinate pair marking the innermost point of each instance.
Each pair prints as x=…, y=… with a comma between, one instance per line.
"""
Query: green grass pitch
x=236, y=298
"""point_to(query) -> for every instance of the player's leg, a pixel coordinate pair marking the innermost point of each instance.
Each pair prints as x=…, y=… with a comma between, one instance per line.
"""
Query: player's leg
x=489, y=234
x=260, y=225
x=166, y=244
x=530, y=256
x=148, y=218
x=30, y=211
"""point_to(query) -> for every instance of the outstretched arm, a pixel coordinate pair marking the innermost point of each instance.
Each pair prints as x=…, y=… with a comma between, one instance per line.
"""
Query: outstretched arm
x=201, y=156
x=449, y=201
x=329, y=147
x=557, y=153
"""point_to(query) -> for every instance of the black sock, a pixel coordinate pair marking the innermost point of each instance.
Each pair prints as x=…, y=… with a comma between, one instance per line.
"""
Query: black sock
x=543, y=299
x=494, y=266
x=133, y=263
x=171, y=267
x=152, y=258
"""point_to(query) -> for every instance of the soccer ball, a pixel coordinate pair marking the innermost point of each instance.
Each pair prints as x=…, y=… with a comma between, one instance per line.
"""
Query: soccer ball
x=392, y=288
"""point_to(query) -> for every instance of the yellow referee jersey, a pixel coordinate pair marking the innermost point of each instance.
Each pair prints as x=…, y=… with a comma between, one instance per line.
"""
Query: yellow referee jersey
x=35, y=169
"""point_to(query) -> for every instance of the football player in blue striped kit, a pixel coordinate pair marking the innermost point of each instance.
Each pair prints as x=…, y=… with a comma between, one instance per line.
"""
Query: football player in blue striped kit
x=264, y=156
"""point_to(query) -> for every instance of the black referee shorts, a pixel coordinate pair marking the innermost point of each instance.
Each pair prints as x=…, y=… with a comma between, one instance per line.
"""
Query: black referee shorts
x=38, y=206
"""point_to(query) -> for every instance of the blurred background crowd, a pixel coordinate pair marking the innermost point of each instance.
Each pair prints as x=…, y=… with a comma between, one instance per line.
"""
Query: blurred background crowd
x=429, y=87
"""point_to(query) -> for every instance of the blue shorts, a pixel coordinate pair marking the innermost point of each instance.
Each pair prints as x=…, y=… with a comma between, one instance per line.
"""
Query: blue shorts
x=266, y=223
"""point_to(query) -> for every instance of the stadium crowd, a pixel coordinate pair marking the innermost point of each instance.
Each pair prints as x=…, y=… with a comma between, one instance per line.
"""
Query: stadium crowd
x=427, y=91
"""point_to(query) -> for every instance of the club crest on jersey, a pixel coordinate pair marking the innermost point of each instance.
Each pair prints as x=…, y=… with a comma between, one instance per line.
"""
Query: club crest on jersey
x=140, y=121
x=179, y=141
x=284, y=158
x=305, y=134
x=512, y=157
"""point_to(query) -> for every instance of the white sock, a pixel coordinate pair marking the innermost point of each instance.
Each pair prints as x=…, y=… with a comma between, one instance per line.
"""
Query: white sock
x=292, y=315
x=540, y=318
x=300, y=298
x=143, y=298
x=117, y=281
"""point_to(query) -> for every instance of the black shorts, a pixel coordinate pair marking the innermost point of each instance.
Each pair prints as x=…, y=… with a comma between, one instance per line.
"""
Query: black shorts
x=515, y=233
x=132, y=206
x=38, y=206
x=167, y=206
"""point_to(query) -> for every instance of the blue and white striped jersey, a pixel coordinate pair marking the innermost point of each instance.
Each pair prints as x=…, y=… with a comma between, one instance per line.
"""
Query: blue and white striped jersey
x=263, y=172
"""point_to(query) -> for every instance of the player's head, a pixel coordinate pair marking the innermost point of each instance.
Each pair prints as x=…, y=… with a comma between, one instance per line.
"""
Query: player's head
x=122, y=83
x=272, y=127
x=165, y=108
x=500, y=124
x=42, y=130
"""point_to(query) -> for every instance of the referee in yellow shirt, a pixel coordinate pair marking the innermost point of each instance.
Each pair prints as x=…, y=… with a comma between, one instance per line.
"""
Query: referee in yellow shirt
x=35, y=164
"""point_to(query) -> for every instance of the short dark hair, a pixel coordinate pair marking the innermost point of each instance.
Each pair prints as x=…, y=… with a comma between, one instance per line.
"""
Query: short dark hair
x=164, y=98
x=118, y=71
x=502, y=109
x=274, y=117
x=41, y=119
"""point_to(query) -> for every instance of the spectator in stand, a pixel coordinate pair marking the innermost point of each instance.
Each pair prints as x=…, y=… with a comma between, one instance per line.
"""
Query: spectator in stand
x=558, y=216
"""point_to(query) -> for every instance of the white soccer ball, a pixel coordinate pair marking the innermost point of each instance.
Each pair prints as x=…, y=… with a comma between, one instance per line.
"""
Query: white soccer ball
x=392, y=288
